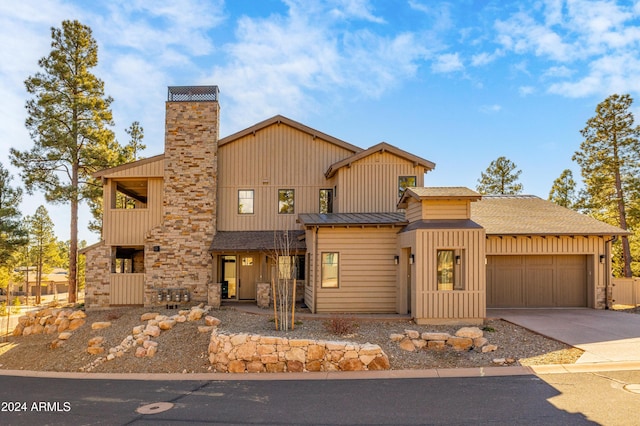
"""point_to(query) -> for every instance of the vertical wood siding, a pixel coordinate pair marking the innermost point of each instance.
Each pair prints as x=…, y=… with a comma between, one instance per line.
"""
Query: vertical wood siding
x=277, y=157
x=371, y=184
x=127, y=289
x=433, y=305
x=130, y=226
x=367, y=272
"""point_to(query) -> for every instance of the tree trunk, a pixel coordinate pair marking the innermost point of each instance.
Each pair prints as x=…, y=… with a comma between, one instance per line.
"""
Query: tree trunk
x=73, y=237
x=622, y=214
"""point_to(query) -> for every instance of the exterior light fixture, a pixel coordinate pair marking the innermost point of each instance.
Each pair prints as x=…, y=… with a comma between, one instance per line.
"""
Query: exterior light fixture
x=457, y=260
x=602, y=257
x=396, y=260
x=411, y=259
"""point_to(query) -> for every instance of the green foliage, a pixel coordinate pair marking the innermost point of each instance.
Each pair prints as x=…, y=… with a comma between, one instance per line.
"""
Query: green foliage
x=609, y=158
x=3, y=309
x=563, y=191
x=68, y=120
x=12, y=234
x=500, y=178
x=15, y=309
x=43, y=245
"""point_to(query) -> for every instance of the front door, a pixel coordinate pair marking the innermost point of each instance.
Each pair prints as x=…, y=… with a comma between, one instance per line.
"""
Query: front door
x=248, y=275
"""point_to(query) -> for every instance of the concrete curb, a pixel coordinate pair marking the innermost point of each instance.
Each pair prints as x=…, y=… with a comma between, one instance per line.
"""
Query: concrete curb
x=340, y=375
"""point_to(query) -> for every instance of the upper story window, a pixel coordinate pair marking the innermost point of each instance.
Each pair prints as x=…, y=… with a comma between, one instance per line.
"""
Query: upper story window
x=326, y=201
x=405, y=182
x=245, y=201
x=286, y=201
x=129, y=194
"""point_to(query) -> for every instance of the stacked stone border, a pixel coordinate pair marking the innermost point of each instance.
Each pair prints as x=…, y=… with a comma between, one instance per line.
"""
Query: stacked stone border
x=247, y=353
x=465, y=339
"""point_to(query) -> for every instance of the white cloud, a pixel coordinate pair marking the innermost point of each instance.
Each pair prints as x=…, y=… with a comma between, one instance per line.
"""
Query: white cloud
x=526, y=90
x=446, y=63
x=485, y=58
x=490, y=109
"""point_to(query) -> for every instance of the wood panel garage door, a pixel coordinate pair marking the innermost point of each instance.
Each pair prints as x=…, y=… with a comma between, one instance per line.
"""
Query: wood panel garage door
x=536, y=281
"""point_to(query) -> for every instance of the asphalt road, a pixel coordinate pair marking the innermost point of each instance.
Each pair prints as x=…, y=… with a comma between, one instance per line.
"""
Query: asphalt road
x=559, y=399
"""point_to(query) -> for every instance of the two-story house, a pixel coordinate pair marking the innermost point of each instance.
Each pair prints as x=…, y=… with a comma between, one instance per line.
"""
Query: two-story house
x=364, y=232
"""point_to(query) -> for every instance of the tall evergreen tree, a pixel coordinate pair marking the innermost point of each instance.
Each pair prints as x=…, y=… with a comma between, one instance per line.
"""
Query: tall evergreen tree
x=609, y=158
x=68, y=119
x=563, y=191
x=43, y=245
x=13, y=236
x=500, y=178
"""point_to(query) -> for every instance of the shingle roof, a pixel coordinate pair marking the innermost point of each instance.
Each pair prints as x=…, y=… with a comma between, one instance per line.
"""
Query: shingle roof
x=330, y=219
x=255, y=240
x=531, y=215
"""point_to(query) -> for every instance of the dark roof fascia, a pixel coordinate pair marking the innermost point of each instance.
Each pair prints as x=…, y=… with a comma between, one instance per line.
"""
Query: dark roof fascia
x=278, y=119
x=441, y=224
x=352, y=219
x=381, y=147
x=254, y=241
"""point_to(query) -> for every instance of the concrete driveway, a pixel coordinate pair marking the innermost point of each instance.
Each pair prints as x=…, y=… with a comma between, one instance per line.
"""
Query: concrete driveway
x=605, y=336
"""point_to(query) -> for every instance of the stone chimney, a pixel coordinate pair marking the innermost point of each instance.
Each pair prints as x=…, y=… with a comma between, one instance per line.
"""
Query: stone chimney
x=177, y=252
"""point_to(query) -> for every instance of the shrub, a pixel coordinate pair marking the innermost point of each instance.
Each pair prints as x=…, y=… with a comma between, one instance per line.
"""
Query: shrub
x=15, y=309
x=341, y=325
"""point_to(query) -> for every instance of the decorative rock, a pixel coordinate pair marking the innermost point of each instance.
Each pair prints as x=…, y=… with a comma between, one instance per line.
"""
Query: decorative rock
x=204, y=328
x=489, y=348
x=436, y=345
x=149, y=343
x=499, y=361
x=95, y=341
x=379, y=363
x=166, y=324
x=100, y=325
x=236, y=366
x=140, y=352
x=294, y=366
x=63, y=325
x=64, y=335
x=436, y=336
x=152, y=331
x=479, y=342
x=77, y=315
x=396, y=337
x=419, y=343
x=195, y=314
x=95, y=350
x=407, y=345
x=351, y=365
x=111, y=357
x=151, y=351
x=57, y=344
x=470, y=332
x=412, y=334
x=76, y=323
x=460, y=343
x=211, y=321
x=149, y=316
x=18, y=330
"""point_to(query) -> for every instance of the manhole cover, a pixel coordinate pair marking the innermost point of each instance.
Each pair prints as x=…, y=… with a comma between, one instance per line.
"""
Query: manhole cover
x=156, y=407
x=633, y=387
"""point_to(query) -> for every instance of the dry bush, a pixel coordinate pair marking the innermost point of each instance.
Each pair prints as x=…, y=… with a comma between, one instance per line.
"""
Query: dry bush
x=341, y=325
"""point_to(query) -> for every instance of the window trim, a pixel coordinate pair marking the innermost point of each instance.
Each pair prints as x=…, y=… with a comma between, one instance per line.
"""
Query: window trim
x=401, y=190
x=457, y=269
x=322, y=263
x=253, y=199
x=293, y=201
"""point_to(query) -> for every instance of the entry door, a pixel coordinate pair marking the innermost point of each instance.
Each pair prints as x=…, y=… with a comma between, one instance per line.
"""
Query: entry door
x=229, y=275
x=249, y=272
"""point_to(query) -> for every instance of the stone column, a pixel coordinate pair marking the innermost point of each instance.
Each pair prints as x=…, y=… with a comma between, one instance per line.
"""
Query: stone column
x=214, y=295
x=264, y=295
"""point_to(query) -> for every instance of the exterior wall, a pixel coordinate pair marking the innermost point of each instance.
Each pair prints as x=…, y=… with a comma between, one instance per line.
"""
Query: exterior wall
x=149, y=167
x=367, y=272
x=371, y=183
x=446, y=209
x=177, y=251
x=98, y=287
x=430, y=305
x=130, y=226
x=595, y=246
x=276, y=157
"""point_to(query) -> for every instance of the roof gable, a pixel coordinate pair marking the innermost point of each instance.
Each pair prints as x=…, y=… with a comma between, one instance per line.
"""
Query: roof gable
x=279, y=119
x=122, y=169
x=381, y=147
x=437, y=193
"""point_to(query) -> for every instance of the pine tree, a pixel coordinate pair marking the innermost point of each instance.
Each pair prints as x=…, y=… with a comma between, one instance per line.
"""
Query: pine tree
x=501, y=177
x=43, y=245
x=563, y=191
x=13, y=236
x=609, y=158
x=68, y=119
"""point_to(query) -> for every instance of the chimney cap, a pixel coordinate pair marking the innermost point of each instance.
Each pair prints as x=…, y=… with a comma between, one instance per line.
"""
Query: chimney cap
x=193, y=94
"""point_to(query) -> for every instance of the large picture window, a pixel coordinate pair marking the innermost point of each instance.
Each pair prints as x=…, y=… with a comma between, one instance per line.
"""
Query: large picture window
x=405, y=182
x=290, y=267
x=286, y=201
x=330, y=270
x=245, y=201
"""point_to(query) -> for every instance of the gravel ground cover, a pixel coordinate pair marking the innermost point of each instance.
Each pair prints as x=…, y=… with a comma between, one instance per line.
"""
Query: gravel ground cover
x=183, y=349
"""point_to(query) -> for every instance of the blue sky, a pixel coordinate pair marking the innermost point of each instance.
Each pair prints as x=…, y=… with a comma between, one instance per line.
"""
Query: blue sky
x=459, y=83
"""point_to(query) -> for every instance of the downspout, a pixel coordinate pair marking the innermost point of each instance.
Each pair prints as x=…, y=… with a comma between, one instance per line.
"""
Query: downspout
x=315, y=268
x=607, y=283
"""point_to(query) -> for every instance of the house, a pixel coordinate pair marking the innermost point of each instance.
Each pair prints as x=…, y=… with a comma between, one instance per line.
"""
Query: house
x=365, y=233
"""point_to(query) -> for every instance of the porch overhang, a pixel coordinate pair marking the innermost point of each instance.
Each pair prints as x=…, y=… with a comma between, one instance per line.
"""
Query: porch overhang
x=261, y=241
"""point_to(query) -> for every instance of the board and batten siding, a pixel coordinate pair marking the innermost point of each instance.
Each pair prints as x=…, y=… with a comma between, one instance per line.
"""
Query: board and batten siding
x=591, y=246
x=124, y=227
x=147, y=168
x=277, y=157
x=371, y=183
x=433, y=306
x=367, y=271
x=127, y=289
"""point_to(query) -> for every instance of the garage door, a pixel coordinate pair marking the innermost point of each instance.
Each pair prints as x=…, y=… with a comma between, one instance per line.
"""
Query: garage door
x=536, y=281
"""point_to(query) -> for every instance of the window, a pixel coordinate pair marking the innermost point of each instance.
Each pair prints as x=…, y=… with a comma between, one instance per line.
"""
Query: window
x=245, y=201
x=285, y=201
x=129, y=194
x=127, y=260
x=326, y=201
x=290, y=267
x=329, y=275
x=405, y=182
x=449, y=270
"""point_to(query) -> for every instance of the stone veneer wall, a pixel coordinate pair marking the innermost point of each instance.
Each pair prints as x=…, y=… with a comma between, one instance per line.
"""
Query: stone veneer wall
x=245, y=353
x=177, y=251
x=98, y=261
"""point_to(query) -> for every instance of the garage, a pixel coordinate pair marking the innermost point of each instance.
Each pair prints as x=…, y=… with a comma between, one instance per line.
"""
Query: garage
x=528, y=281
